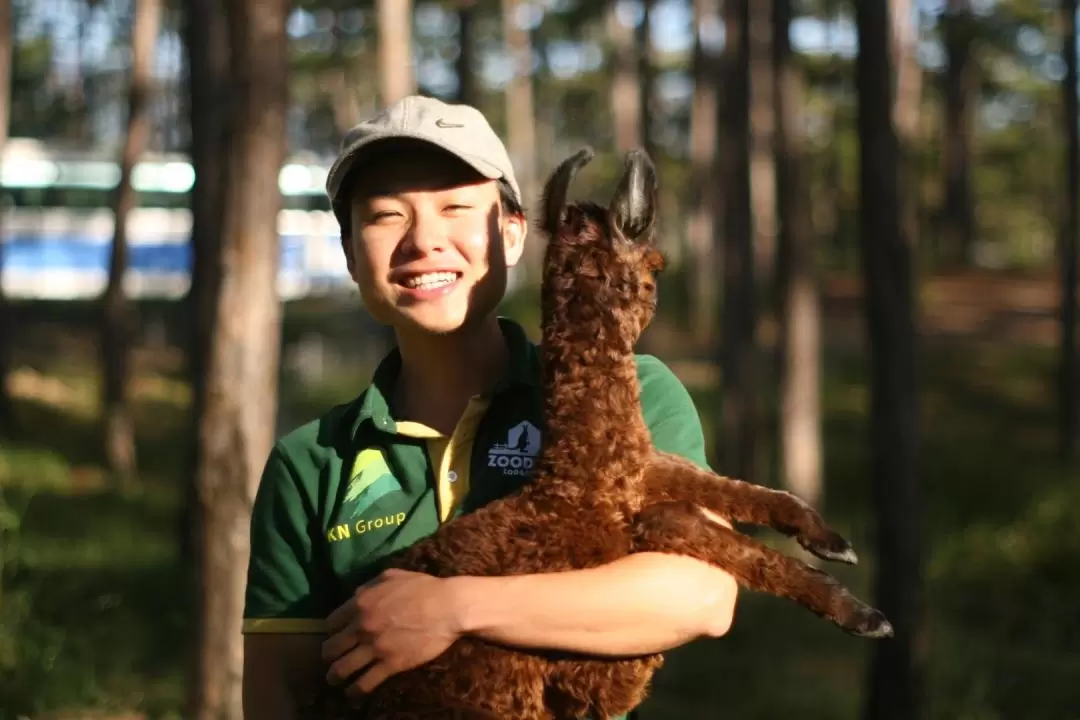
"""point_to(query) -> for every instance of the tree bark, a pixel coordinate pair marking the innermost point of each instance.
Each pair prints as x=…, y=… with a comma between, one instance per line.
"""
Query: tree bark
x=118, y=316
x=647, y=79
x=738, y=433
x=7, y=415
x=958, y=234
x=239, y=405
x=908, y=102
x=826, y=192
x=1069, y=364
x=468, y=89
x=625, y=93
x=521, y=124
x=341, y=84
x=799, y=299
x=206, y=37
x=520, y=127
x=704, y=298
x=896, y=674
x=396, y=76
x=762, y=139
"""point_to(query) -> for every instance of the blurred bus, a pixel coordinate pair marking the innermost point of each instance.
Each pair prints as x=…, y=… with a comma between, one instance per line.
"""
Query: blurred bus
x=57, y=225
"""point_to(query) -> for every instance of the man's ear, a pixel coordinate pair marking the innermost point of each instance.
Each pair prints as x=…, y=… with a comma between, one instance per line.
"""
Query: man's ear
x=514, y=230
x=350, y=261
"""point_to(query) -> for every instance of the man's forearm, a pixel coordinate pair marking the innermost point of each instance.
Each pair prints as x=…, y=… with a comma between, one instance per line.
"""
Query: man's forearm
x=640, y=604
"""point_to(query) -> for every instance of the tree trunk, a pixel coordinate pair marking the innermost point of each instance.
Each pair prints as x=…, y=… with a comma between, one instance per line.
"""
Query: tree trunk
x=896, y=673
x=704, y=263
x=826, y=205
x=7, y=416
x=1069, y=374
x=468, y=88
x=799, y=300
x=738, y=430
x=341, y=84
x=396, y=76
x=625, y=90
x=958, y=236
x=118, y=316
x=762, y=138
x=239, y=405
x=206, y=38
x=906, y=108
x=520, y=119
x=647, y=79
x=520, y=124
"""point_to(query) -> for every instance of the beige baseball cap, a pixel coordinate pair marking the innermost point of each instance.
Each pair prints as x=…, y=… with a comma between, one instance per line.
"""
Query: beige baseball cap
x=461, y=130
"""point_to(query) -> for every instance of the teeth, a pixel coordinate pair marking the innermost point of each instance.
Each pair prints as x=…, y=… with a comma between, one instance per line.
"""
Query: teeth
x=430, y=281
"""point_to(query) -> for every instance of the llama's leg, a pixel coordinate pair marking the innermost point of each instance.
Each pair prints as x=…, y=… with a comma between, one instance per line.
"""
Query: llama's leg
x=669, y=477
x=682, y=528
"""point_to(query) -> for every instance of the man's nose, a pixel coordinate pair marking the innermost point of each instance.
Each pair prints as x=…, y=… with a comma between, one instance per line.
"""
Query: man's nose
x=426, y=234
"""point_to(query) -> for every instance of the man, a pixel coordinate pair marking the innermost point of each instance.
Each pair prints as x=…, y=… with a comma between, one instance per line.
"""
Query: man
x=431, y=220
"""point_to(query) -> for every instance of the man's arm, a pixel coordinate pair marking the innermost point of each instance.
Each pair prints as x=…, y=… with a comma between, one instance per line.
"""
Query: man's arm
x=280, y=672
x=641, y=604
x=282, y=635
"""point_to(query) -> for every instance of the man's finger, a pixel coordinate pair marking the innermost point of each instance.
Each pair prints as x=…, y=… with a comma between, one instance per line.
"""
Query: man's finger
x=340, y=642
x=366, y=683
x=347, y=665
x=345, y=612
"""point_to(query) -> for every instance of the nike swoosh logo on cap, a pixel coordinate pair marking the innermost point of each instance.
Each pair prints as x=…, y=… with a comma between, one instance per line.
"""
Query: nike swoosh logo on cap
x=443, y=124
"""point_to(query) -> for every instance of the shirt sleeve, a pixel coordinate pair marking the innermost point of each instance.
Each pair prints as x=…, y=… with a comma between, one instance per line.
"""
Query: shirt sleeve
x=280, y=595
x=669, y=412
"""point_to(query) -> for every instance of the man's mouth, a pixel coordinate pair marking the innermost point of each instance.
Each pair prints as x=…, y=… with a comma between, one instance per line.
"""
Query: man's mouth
x=429, y=281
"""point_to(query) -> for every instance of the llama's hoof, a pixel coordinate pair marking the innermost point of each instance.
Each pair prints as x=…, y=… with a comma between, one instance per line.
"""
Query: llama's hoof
x=834, y=549
x=873, y=625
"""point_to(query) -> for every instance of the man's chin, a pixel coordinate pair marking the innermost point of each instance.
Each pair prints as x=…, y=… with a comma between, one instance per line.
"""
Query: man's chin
x=437, y=324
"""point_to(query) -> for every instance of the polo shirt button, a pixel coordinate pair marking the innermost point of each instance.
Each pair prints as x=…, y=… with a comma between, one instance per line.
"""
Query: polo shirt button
x=451, y=476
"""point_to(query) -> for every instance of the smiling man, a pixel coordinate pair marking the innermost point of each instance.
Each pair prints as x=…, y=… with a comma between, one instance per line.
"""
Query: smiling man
x=431, y=220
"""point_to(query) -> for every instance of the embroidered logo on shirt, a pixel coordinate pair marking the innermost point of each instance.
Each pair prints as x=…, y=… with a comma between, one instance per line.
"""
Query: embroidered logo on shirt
x=517, y=456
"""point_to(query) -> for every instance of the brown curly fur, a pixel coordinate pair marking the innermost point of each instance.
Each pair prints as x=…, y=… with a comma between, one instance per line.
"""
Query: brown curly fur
x=600, y=491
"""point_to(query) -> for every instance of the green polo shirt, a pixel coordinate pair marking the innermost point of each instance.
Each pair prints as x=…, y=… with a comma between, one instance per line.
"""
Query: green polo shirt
x=341, y=493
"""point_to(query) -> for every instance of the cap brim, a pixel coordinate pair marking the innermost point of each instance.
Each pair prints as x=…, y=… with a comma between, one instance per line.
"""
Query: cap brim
x=363, y=150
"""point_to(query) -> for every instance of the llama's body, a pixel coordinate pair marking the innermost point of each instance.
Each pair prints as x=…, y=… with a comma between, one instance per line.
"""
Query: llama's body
x=599, y=490
x=577, y=512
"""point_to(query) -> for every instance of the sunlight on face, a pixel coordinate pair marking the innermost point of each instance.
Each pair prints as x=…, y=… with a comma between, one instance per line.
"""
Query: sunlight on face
x=430, y=247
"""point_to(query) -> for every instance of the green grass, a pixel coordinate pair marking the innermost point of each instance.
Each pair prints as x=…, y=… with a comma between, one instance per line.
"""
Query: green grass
x=94, y=613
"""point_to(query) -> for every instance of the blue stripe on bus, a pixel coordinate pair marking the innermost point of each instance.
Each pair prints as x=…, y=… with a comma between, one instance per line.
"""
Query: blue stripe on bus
x=72, y=252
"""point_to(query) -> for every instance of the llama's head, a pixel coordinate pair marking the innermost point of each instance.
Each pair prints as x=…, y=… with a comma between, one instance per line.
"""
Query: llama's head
x=600, y=264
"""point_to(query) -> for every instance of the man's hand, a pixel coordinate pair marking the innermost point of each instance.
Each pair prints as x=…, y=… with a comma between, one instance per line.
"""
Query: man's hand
x=398, y=621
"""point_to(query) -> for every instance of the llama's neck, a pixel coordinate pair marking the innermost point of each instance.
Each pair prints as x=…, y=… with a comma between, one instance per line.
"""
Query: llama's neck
x=594, y=431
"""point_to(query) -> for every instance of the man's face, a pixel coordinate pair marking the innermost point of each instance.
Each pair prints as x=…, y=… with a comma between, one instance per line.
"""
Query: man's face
x=430, y=247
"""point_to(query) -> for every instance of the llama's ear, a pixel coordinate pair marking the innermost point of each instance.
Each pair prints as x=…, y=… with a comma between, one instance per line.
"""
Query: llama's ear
x=633, y=207
x=557, y=188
